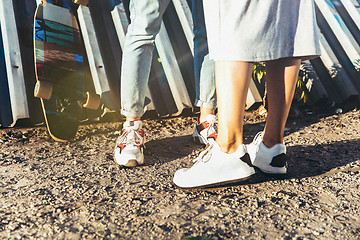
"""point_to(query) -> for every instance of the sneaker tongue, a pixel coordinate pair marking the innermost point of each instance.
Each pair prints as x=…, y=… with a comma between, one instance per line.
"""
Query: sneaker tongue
x=136, y=125
x=214, y=143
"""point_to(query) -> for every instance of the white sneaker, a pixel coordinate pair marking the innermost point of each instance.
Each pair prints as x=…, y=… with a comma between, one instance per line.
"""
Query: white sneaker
x=269, y=160
x=205, y=130
x=213, y=167
x=129, y=149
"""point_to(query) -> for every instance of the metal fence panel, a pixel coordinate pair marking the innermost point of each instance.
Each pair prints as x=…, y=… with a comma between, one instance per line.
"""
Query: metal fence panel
x=5, y=104
x=333, y=78
x=13, y=62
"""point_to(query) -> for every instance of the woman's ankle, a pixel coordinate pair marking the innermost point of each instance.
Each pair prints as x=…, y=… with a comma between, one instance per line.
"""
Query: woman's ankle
x=270, y=142
x=204, y=112
x=229, y=146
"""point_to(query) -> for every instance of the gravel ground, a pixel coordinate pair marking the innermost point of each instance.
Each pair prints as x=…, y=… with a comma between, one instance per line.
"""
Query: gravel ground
x=51, y=190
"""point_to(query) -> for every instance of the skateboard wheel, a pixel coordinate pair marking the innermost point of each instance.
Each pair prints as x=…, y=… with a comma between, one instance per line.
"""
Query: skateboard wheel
x=82, y=2
x=92, y=101
x=43, y=90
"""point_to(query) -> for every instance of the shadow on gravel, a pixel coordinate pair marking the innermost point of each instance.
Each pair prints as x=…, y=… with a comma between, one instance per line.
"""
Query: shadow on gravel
x=82, y=136
x=309, y=161
x=169, y=149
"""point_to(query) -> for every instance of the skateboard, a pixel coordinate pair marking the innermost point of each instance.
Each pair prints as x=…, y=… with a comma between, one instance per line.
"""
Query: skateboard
x=82, y=2
x=59, y=67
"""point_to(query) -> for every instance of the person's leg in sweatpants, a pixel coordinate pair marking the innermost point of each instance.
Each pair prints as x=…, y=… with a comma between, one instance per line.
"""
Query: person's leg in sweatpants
x=146, y=17
x=204, y=70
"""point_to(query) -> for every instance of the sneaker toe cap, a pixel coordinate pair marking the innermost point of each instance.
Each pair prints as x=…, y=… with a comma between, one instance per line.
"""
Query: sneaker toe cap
x=181, y=179
x=124, y=157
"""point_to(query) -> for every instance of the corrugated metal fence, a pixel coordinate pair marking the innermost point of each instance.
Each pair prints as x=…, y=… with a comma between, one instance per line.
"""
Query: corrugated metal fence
x=332, y=78
x=338, y=66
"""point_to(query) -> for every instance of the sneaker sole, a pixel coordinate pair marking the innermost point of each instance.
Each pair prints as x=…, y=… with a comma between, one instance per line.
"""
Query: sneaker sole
x=219, y=184
x=269, y=172
x=130, y=163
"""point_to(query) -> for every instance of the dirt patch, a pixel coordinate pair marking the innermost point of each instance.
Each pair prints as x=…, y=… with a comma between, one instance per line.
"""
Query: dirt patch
x=51, y=190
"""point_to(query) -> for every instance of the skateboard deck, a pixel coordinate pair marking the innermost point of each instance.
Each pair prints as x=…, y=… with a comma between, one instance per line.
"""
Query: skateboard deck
x=59, y=67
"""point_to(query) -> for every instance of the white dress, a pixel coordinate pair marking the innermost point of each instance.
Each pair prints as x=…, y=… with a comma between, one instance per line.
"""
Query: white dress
x=261, y=30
